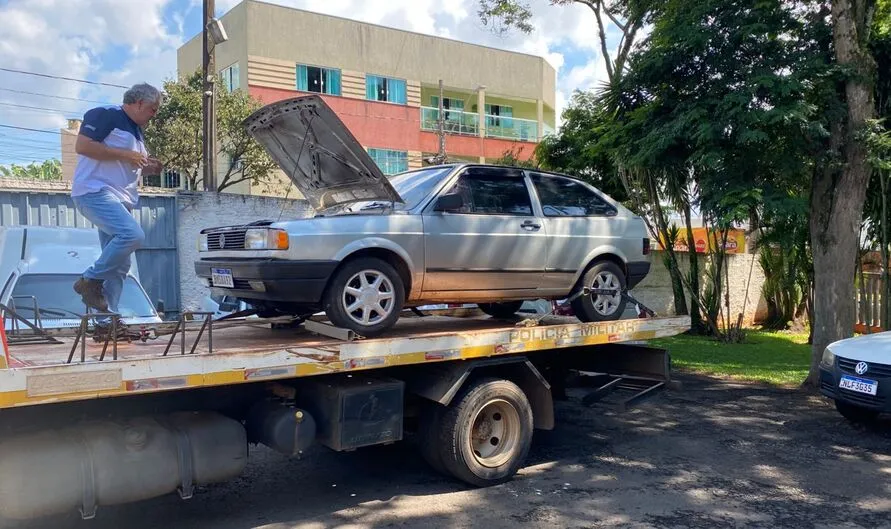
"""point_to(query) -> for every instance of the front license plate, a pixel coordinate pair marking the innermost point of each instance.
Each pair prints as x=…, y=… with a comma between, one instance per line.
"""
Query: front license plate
x=222, y=277
x=860, y=385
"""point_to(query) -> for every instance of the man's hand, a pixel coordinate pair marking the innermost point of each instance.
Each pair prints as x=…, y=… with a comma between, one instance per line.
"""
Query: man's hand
x=153, y=166
x=134, y=158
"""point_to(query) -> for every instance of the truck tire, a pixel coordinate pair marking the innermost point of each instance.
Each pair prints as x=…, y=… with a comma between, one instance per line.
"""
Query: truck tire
x=486, y=432
x=372, y=289
x=503, y=310
x=856, y=414
x=604, y=274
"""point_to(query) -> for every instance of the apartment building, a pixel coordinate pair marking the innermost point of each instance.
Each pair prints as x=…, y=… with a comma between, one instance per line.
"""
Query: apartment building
x=384, y=83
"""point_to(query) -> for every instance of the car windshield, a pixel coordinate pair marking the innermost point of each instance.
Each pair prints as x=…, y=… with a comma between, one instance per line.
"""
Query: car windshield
x=56, y=297
x=412, y=186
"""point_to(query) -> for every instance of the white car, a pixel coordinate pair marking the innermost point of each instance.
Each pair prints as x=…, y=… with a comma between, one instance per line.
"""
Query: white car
x=856, y=374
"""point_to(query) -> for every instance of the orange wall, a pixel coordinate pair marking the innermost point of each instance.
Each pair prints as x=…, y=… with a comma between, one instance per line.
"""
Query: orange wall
x=398, y=127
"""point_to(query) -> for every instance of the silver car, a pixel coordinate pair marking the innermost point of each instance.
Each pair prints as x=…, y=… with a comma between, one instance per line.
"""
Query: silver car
x=462, y=233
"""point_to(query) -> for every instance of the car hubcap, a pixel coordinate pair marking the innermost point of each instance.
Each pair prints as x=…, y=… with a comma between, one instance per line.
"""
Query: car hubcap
x=495, y=433
x=607, y=305
x=368, y=297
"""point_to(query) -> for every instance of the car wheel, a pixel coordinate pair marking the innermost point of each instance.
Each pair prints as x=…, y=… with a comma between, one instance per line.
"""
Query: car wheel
x=599, y=307
x=486, y=432
x=502, y=310
x=366, y=296
x=856, y=414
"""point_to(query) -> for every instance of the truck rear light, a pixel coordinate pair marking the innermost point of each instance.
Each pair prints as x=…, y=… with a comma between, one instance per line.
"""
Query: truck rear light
x=646, y=246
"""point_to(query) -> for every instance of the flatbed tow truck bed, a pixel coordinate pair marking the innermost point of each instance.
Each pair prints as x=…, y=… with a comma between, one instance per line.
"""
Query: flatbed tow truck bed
x=250, y=351
x=83, y=428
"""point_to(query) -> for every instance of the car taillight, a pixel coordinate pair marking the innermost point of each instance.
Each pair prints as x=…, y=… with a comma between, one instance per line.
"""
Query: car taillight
x=646, y=246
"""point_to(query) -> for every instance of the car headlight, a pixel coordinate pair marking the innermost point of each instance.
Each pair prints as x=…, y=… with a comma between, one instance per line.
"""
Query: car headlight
x=828, y=359
x=202, y=243
x=266, y=239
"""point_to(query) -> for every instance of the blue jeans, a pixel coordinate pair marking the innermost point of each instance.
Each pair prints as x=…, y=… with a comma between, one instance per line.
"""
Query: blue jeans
x=119, y=234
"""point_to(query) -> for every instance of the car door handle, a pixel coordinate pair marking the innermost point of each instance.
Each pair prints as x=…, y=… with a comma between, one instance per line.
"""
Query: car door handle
x=530, y=226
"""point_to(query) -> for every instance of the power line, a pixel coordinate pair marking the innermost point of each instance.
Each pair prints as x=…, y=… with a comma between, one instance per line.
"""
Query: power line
x=42, y=109
x=63, y=78
x=31, y=130
x=53, y=96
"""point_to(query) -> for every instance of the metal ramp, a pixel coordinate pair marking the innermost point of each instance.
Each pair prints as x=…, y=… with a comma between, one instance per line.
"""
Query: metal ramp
x=621, y=392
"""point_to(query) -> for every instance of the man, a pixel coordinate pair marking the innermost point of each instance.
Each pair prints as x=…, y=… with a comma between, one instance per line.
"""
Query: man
x=111, y=156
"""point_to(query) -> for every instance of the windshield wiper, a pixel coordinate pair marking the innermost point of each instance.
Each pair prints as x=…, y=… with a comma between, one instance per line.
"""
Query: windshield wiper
x=376, y=205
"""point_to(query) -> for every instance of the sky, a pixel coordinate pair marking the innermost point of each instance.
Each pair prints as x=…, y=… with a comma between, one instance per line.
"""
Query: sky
x=122, y=42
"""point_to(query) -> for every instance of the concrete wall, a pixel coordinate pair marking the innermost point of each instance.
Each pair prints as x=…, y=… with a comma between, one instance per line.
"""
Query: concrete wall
x=197, y=211
x=655, y=291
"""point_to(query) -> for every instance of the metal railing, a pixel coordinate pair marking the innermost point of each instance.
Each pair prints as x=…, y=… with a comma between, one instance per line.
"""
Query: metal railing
x=458, y=122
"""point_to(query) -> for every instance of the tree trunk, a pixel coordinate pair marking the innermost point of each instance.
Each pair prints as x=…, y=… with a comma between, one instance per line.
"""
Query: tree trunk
x=838, y=194
x=695, y=313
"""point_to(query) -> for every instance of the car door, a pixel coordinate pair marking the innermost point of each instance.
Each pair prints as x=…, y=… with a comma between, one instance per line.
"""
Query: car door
x=493, y=243
x=577, y=220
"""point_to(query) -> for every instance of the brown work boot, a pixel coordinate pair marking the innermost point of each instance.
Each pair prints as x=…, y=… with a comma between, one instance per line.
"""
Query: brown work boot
x=90, y=291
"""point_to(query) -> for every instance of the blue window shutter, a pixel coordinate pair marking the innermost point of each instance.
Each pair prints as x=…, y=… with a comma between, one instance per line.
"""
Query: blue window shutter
x=302, y=78
x=397, y=91
x=371, y=87
x=332, y=82
x=236, y=78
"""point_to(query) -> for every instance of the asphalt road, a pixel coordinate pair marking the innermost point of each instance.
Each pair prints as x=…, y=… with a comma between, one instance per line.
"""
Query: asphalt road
x=709, y=455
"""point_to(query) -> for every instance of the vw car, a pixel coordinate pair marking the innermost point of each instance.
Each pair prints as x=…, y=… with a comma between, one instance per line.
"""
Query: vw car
x=454, y=233
x=856, y=374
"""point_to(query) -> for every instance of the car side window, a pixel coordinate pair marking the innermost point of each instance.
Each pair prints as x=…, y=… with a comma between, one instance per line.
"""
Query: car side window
x=562, y=197
x=487, y=192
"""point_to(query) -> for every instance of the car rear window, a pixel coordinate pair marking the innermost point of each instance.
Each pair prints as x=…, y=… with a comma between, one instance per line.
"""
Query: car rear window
x=563, y=197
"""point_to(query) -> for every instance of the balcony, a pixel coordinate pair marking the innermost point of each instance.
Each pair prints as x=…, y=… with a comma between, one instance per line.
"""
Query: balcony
x=456, y=122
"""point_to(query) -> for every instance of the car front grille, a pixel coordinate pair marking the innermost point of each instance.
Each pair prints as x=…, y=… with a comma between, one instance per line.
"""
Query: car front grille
x=875, y=370
x=226, y=240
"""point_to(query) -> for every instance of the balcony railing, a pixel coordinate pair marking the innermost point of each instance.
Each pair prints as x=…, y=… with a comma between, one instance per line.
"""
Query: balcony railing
x=457, y=122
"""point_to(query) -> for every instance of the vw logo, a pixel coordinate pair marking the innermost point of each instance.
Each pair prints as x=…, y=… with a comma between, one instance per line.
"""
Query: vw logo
x=861, y=368
x=222, y=240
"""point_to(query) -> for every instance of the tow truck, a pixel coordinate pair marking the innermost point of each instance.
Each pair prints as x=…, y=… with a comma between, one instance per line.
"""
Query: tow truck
x=93, y=421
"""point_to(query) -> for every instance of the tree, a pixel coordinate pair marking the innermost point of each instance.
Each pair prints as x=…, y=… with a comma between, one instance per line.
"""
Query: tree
x=174, y=135
x=839, y=188
x=629, y=16
x=48, y=170
x=513, y=158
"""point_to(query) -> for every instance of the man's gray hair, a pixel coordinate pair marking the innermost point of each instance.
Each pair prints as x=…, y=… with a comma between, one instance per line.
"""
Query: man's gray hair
x=142, y=92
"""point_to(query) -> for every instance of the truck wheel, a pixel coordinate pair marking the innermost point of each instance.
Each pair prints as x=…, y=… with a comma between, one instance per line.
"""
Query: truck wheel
x=597, y=307
x=366, y=296
x=486, y=432
x=856, y=414
x=502, y=310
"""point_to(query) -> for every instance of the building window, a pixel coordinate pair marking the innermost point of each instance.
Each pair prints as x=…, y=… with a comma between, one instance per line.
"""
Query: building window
x=318, y=80
x=231, y=77
x=385, y=89
x=390, y=162
x=449, y=103
x=495, y=113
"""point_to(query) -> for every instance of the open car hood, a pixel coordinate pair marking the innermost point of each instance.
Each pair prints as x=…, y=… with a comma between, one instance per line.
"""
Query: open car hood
x=318, y=153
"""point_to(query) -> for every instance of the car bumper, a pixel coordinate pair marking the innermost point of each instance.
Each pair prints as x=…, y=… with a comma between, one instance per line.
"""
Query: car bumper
x=829, y=380
x=637, y=271
x=272, y=279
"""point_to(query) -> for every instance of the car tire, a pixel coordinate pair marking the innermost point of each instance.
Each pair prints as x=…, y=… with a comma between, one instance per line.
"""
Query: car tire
x=503, y=310
x=429, y=425
x=591, y=308
x=856, y=414
x=486, y=432
x=381, y=284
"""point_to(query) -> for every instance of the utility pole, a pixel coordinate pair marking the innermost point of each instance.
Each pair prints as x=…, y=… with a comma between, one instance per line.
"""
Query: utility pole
x=441, y=155
x=209, y=75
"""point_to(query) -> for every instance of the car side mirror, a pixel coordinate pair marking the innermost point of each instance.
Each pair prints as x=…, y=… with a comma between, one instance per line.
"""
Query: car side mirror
x=450, y=202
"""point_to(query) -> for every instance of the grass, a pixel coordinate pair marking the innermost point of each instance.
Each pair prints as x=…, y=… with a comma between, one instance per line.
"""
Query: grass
x=779, y=358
